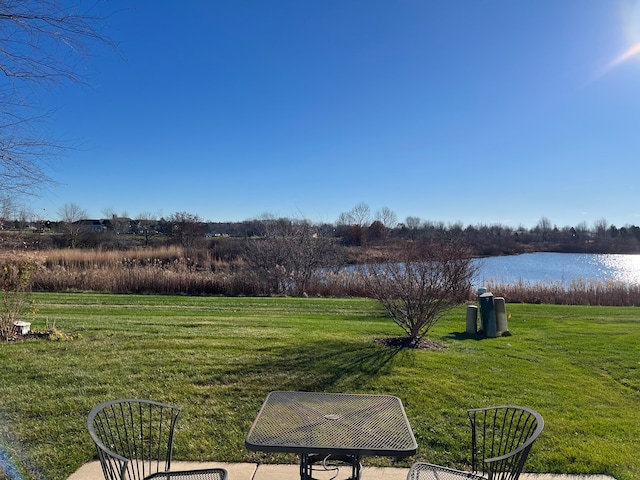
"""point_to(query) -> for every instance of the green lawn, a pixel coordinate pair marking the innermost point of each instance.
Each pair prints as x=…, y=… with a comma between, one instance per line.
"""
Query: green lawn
x=218, y=358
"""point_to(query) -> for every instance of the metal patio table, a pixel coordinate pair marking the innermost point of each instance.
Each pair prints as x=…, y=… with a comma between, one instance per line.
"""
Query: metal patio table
x=338, y=426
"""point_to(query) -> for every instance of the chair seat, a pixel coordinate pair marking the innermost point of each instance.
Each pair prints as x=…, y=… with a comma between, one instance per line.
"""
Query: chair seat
x=204, y=474
x=426, y=471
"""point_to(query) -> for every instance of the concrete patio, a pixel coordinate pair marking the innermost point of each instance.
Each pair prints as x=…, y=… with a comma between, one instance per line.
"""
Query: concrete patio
x=254, y=471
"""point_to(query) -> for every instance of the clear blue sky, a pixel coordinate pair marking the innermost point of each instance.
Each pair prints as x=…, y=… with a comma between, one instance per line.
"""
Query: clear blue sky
x=477, y=111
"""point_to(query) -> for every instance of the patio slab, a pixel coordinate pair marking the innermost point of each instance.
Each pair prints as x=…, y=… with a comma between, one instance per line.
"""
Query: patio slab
x=254, y=471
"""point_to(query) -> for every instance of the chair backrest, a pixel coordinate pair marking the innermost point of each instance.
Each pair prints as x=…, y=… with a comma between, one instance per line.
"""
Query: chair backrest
x=134, y=437
x=502, y=438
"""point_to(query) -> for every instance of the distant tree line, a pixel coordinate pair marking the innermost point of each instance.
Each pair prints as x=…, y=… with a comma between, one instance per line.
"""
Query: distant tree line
x=405, y=265
x=354, y=228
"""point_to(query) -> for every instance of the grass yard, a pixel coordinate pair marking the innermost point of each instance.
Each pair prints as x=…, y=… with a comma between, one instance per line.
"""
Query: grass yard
x=218, y=358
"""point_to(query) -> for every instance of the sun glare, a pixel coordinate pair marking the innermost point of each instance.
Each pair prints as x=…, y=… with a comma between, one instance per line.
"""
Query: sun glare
x=630, y=16
x=630, y=53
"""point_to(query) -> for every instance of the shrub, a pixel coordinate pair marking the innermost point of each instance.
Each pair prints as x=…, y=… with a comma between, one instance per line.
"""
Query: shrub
x=16, y=272
x=422, y=283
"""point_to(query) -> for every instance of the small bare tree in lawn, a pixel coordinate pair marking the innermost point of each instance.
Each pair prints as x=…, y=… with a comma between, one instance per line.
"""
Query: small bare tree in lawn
x=421, y=283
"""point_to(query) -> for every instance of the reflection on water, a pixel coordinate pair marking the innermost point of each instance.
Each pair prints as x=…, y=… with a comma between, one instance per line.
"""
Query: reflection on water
x=625, y=268
x=560, y=267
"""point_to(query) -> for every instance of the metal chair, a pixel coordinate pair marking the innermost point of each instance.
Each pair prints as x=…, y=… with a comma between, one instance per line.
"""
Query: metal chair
x=134, y=439
x=501, y=438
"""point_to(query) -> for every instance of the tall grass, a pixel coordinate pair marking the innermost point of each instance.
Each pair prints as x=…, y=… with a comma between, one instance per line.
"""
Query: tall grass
x=164, y=270
x=175, y=270
x=577, y=292
x=76, y=259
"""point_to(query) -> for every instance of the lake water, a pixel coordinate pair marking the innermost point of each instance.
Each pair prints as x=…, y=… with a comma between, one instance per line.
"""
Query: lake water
x=559, y=267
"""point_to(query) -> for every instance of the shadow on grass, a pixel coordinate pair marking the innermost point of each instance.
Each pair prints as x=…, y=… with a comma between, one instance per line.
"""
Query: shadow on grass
x=471, y=336
x=465, y=336
x=319, y=366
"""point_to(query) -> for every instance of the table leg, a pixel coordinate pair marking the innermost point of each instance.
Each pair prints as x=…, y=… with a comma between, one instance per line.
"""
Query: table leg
x=307, y=461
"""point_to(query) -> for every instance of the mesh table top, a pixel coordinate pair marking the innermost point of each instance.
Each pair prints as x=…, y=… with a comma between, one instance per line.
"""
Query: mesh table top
x=336, y=423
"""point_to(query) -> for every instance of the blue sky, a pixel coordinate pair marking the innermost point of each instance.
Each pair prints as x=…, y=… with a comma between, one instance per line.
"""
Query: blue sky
x=474, y=111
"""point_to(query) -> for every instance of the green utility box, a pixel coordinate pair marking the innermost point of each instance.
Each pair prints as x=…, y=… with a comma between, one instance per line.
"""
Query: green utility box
x=488, y=314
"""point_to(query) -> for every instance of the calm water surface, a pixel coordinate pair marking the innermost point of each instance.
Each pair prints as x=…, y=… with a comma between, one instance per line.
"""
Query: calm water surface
x=560, y=267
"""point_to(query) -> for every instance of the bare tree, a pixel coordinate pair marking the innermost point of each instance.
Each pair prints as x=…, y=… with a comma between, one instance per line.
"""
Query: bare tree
x=70, y=215
x=413, y=223
x=582, y=230
x=145, y=221
x=544, y=227
x=600, y=227
x=120, y=223
x=353, y=224
x=288, y=255
x=266, y=254
x=344, y=219
x=187, y=228
x=385, y=220
x=308, y=253
x=359, y=215
x=387, y=217
x=41, y=42
x=421, y=283
x=7, y=210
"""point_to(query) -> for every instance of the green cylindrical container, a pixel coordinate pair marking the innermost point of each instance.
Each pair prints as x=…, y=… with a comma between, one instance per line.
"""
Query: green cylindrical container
x=472, y=319
x=501, y=314
x=488, y=315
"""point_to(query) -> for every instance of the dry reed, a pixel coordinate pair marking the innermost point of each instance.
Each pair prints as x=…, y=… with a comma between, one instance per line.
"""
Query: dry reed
x=165, y=270
x=174, y=270
x=577, y=292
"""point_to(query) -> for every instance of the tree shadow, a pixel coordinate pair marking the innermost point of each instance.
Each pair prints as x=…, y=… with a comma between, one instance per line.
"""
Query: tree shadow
x=466, y=336
x=318, y=366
